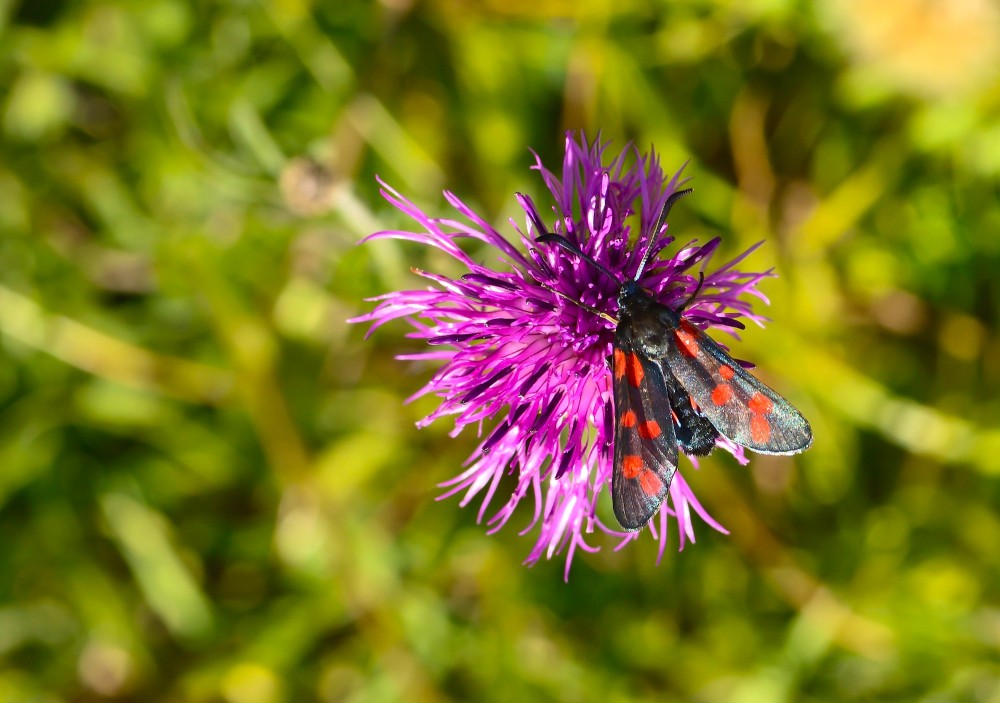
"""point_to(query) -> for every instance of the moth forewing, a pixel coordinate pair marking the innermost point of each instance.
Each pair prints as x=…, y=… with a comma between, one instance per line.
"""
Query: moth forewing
x=645, y=443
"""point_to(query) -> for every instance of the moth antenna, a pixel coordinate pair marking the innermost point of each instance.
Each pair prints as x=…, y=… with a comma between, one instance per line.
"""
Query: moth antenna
x=546, y=237
x=674, y=197
x=569, y=246
x=697, y=290
x=574, y=249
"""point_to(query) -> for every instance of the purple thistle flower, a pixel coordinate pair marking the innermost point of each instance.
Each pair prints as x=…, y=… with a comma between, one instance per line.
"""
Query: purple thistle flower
x=526, y=366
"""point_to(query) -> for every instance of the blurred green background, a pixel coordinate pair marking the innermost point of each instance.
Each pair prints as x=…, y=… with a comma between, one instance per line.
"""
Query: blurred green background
x=210, y=489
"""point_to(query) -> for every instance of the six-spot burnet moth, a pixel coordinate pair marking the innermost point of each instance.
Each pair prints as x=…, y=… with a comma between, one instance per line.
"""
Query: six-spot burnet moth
x=675, y=387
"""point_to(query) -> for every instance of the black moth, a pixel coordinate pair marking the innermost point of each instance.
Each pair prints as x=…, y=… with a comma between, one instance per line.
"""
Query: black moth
x=674, y=386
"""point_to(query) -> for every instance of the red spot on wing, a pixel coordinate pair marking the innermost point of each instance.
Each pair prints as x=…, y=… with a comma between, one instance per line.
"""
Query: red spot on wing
x=722, y=393
x=760, y=404
x=631, y=465
x=726, y=371
x=649, y=429
x=619, y=364
x=633, y=369
x=650, y=483
x=628, y=419
x=760, y=429
x=687, y=339
x=694, y=404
